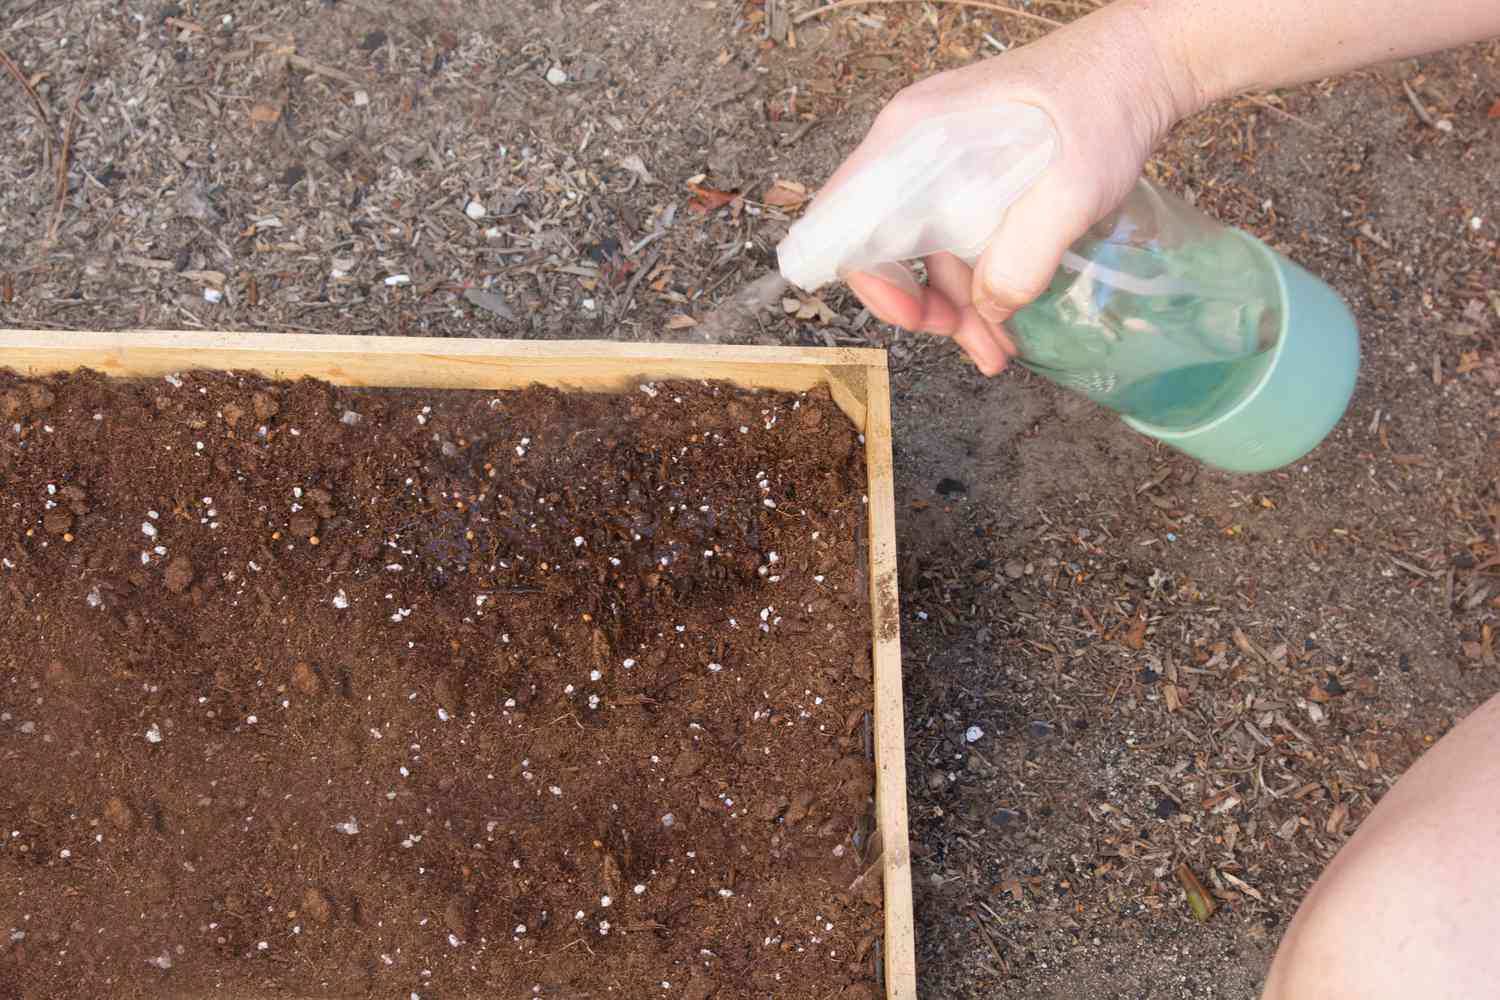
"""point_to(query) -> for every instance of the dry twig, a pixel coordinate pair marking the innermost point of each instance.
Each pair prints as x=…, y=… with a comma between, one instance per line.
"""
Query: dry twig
x=318, y=69
x=1261, y=102
x=1417, y=106
x=62, y=160
x=996, y=8
x=15, y=71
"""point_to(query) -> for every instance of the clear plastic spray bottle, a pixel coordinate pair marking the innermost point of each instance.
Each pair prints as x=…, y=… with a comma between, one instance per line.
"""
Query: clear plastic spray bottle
x=1198, y=334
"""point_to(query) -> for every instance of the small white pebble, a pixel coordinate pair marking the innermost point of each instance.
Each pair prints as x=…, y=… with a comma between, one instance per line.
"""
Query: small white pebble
x=726, y=893
x=453, y=940
x=153, y=733
x=577, y=541
x=340, y=600
x=595, y=675
x=349, y=826
x=442, y=714
x=640, y=890
x=604, y=927
x=251, y=720
x=555, y=790
x=148, y=529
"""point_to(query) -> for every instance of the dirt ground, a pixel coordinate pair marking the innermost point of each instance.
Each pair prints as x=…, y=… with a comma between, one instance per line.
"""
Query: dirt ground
x=522, y=170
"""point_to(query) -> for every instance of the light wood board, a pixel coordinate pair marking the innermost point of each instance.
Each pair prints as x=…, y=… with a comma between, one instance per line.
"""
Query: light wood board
x=857, y=378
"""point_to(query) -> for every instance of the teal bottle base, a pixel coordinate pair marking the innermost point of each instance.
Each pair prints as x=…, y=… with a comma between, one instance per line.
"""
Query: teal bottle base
x=1302, y=395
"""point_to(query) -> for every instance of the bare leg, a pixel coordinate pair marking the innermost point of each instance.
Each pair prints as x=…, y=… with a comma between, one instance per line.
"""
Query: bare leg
x=1411, y=906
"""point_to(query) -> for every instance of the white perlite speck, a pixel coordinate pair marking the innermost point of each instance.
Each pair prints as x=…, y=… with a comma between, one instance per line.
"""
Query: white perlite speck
x=606, y=901
x=340, y=600
x=973, y=734
x=153, y=733
x=349, y=826
x=148, y=529
x=443, y=714
x=162, y=961
x=640, y=890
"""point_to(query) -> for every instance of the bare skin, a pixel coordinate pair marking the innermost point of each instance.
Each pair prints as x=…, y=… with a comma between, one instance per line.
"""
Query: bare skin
x=1114, y=82
x=1407, y=907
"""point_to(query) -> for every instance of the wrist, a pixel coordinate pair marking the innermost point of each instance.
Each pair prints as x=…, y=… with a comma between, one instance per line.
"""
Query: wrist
x=1182, y=81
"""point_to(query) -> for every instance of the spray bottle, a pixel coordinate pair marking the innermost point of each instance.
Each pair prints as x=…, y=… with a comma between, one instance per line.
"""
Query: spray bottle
x=1198, y=334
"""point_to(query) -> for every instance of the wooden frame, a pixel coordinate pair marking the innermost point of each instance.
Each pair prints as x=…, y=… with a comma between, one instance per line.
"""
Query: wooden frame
x=857, y=379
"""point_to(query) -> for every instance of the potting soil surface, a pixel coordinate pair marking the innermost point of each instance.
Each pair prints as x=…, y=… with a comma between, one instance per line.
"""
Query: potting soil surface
x=312, y=691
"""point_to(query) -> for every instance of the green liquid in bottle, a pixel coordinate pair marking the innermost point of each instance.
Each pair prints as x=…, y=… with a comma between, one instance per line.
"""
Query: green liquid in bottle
x=1189, y=337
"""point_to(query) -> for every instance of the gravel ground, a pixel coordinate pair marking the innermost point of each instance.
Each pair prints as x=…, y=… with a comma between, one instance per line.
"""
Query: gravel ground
x=1171, y=666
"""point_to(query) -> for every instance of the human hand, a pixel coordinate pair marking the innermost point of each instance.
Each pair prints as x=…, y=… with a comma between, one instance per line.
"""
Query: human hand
x=1111, y=93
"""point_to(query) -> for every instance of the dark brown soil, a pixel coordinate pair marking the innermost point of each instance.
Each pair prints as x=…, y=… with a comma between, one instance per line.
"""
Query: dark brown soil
x=467, y=695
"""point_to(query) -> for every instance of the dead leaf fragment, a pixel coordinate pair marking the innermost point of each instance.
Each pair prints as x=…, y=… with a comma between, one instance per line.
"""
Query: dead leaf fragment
x=784, y=194
x=1136, y=637
x=707, y=199
x=1199, y=900
x=266, y=114
x=681, y=322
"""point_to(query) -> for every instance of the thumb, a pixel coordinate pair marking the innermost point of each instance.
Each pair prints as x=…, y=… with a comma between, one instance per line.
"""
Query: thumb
x=1027, y=249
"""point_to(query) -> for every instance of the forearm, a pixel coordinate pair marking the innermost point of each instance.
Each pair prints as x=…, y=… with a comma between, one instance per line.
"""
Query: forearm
x=1217, y=48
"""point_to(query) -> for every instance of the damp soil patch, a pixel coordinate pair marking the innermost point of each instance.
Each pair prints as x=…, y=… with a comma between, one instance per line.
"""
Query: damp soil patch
x=317, y=691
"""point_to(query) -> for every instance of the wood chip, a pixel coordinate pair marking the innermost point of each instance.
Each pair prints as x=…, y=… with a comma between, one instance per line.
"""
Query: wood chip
x=490, y=302
x=1244, y=887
